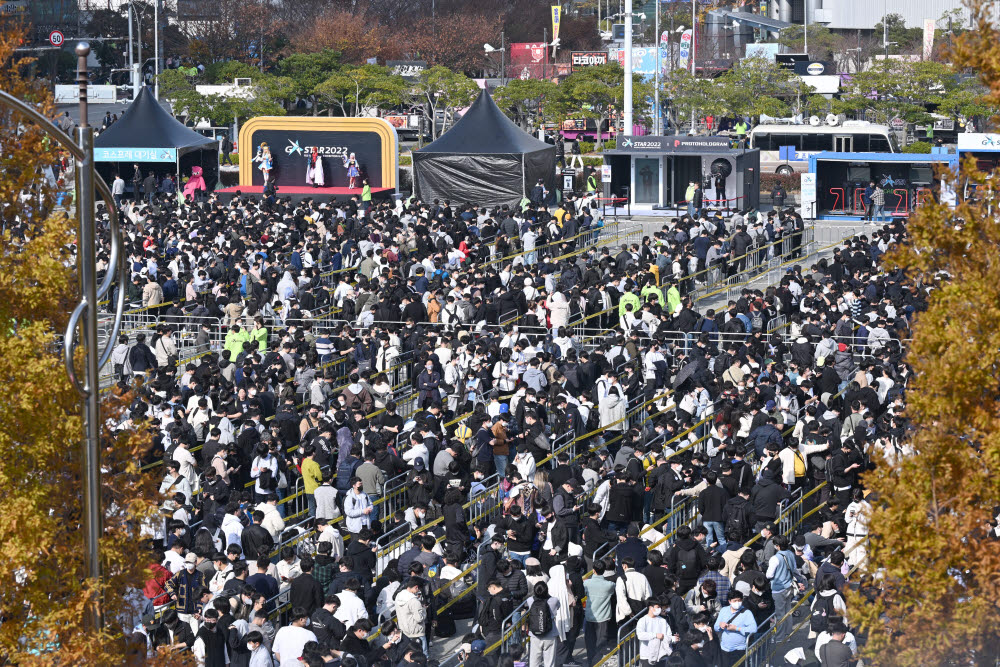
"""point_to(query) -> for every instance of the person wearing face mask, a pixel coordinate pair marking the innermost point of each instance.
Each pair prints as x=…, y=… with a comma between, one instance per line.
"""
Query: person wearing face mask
x=183, y=586
x=735, y=625
x=654, y=635
x=210, y=642
x=260, y=655
x=358, y=508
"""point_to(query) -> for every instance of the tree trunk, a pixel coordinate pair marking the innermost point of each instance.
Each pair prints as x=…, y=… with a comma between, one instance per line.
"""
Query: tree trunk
x=315, y=105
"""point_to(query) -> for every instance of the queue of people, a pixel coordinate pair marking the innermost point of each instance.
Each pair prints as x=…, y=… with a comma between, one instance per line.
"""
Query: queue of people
x=472, y=320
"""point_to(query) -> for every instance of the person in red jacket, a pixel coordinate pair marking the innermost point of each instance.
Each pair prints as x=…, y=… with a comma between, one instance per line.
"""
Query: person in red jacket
x=154, y=588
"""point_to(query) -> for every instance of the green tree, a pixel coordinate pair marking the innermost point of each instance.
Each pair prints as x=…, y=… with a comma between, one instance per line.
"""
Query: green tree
x=756, y=86
x=440, y=89
x=593, y=92
x=906, y=40
x=262, y=98
x=822, y=41
x=526, y=101
x=308, y=70
x=892, y=88
x=685, y=94
x=361, y=87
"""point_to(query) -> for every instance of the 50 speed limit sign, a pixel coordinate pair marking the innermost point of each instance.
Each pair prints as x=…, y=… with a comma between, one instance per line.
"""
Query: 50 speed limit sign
x=56, y=38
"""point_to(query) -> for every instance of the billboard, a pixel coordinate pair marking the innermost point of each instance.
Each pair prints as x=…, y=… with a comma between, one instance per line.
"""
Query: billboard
x=581, y=59
x=644, y=60
x=529, y=60
x=766, y=51
x=408, y=69
x=291, y=140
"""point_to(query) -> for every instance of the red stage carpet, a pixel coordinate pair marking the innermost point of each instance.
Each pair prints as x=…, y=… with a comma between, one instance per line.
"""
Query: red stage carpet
x=301, y=192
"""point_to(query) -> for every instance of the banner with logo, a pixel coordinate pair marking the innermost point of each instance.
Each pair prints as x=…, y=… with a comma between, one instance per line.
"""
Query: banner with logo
x=684, y=55
x=644, y=60
x=556, y=15
x=528, y=60
x=581, y=59
x=928, y=38
x=408, y=69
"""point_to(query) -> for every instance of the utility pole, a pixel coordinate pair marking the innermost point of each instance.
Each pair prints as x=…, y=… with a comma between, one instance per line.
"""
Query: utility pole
x=805, y=27
x=131, y=52
x=885, y=31
x=659, y=61
x=694, y=40
x=627, y=130
x=503, y=60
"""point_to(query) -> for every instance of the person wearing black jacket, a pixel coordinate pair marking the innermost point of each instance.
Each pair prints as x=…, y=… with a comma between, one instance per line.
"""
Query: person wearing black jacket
x=488, y=566
x=328, y=630
x=497, y=607
x=213, y=639
x=620, y=498
x=520, y=533
x=846, y=462
x=687, y=560
x=360, y=550
x=711, y=504
x=306, y=592
x=764, y=499
x=514, y=583
x=255, y=539
x=356, y=641
x=593, y=535
x=632, y=547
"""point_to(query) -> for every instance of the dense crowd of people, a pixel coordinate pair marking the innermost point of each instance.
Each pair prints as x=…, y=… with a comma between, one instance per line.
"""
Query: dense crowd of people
x=503, y=334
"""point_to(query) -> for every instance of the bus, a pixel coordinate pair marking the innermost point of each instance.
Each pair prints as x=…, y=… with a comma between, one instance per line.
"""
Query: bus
x=785, y=149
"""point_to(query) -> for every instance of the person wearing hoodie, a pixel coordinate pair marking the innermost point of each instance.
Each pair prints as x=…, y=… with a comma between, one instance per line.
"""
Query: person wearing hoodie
x=534, y=377
x=272, y=522
x=356, y=397
x=411, y=614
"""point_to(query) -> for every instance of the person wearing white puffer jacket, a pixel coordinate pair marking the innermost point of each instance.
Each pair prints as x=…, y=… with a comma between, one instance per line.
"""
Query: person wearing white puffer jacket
x=272, y=522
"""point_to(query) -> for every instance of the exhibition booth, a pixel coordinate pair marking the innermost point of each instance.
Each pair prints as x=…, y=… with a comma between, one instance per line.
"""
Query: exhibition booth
x=653, y=172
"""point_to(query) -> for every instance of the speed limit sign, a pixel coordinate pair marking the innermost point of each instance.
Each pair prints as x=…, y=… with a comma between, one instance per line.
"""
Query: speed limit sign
x=56, y=38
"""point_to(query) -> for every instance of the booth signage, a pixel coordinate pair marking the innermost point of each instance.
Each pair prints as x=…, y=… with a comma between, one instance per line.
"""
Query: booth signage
x=583, y=59
x=135, y=155
x=656, y=144
x=605, y=173
x=978, y=141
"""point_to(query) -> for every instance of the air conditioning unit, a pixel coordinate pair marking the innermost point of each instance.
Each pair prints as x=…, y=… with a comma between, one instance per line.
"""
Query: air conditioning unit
x=242, y=81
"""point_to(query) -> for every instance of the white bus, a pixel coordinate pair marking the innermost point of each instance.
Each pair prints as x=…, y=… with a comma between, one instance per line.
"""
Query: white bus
x=785, y=149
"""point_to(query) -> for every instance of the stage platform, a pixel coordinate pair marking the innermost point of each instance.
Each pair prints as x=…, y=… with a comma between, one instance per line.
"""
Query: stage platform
x=298, y=193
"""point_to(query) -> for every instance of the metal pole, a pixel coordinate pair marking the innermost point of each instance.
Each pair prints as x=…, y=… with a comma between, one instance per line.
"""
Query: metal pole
x=805, y=26
x=627, y=130
x=138, y=45
x=885, y=31
x=659, y=61
x=694, y=40
x=131, y=52
x=88, y=291
x=156, y=49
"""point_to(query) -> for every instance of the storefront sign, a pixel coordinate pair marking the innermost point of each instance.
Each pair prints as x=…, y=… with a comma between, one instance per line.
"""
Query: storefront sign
x=978, y=141
x=583, y=59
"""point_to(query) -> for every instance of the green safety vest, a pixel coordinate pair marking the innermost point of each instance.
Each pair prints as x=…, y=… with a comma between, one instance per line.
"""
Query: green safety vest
x=591, y=183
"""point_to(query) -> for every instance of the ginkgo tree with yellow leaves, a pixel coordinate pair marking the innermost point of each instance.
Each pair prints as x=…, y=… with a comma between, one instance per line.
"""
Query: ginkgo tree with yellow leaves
x=43, y=588
x=933, y=559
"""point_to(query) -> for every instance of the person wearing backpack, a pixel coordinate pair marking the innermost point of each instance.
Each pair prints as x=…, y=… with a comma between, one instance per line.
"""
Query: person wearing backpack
x=687, y=560
x=542, y=632
x=631, y=590
x=826, y=604
x=736, y=516
x=784, y=579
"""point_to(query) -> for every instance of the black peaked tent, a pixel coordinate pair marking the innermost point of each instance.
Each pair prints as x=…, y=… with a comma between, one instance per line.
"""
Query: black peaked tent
x=485, y=158
x=147, y=134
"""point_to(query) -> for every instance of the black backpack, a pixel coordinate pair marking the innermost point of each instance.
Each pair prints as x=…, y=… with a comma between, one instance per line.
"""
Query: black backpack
x=268, y=482
x=593, y=420
x=739, y=522
x=540, y=617
x=687, y=564
x=819, y=619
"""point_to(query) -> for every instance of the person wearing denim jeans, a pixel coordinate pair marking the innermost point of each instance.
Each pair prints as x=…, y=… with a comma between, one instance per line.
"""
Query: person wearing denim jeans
x=711, y=505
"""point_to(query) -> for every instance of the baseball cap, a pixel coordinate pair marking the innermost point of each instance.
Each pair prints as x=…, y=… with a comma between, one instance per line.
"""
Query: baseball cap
x=769, y=406
x=191, y=558
x=478, y=646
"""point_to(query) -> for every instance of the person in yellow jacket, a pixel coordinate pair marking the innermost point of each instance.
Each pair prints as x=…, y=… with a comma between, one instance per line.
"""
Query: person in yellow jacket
x=627, y=298
x=673, y=298
x=312, y=477
x=234, y=341
x=651, y=288
x=258, y=335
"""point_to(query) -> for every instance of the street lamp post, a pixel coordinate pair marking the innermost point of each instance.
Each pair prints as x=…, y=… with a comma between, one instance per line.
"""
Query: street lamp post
x=694, y=40
x=83, y=320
